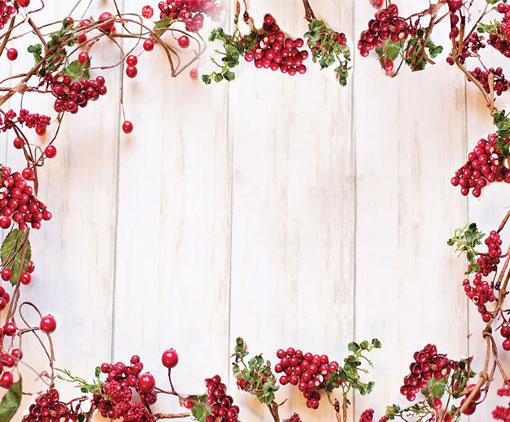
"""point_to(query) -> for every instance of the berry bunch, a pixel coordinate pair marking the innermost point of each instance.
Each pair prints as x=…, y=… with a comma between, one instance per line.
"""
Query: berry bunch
x=48, y=407
x=368, y=416
x=273, y=50
x=7, y=9
x=31, y=120
x=488, y=262
x=387, y=25
x=294, y=418
x=191, y=12
x=17, y=201
x=222, y=406
x=427, y=364
x=485, y=165
x=500, y=83
x=480, y=293
x=474, y=43
x=499, y=34
x=309, y=372
x=501, y=413
x=505, y=333
x=115, y=400
x=454, y=6
x=71, y=95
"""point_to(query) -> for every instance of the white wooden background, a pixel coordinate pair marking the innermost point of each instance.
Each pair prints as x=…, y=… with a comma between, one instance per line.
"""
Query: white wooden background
x=289, y=211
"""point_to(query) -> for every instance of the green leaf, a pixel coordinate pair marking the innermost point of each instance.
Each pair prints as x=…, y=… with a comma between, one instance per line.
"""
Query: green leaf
x=162, y=25
x=10, y=402
x=437, y=389
x=36, y=50
x=392, y=50
x=200, y=410
x=12, y=253
x=353, y=347
x=78, y=71
x=376, y=343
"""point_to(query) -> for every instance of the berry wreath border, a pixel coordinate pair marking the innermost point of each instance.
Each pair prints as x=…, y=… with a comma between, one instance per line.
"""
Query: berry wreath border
x=439, y=388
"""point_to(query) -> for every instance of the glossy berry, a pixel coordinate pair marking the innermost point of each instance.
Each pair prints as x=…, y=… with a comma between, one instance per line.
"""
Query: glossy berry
x=131, y=60
x=183, y=41
x=6, y=380
x=24, y=3
x=170, y=358
x=5, y=222
x=148, y=45
x=146, y=383
x=131, y=71
x=25, y=278
x=12, y=54
x=147, y=12
x=127, y=126
x=6, y=274
x=50, y=151
x=83, y=57
x=28, y=173
x=10, y=329
x=18, y=143
x=48, y=323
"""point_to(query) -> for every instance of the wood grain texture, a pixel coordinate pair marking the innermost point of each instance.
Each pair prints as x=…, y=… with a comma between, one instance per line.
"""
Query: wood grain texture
x=410, y=135
x=293, y=207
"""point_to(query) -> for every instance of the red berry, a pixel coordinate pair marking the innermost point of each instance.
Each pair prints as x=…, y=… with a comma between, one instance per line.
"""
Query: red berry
x=388, y=66
x=132, y=60
x=127, y=126
x=48, y=323
x=193, y=73
x=18, y=143
x=83, y=57
x=25, y=278
x=183, y=41
x=147, y=12
x=188, y=403
x=6, y=380
x=5, y=222
x=10, y=328
x=148, y=45
x=27, y=173
x=506, y=344
x=50, y=151
x=170, y=358
x=6, y=274
x=23, y=3
x=17, y=353
x=146, y=383
x=131, y=71
x=12, y=54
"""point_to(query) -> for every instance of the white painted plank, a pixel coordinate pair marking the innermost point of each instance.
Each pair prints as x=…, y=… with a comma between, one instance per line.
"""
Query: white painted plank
x=293, y=202
x=173, y=244
x=409, y=136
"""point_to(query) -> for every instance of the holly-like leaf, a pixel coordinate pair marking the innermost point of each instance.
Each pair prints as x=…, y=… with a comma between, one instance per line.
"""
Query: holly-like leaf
x=12, y=253
x=78, y=71
x=10, y=402
x=200, y=410
x=162, y=25
x=437, y=389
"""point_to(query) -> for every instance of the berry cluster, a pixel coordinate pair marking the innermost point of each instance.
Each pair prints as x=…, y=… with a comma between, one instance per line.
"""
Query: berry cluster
x=368, y=416
x=222, y=406
x=31, y=120
x=500, y=38
x=387, y=25
x=427, y=364
x=488, y=262
x=71, y=95
x=17, y=201
x=191, y=12
x=501, y=413
x=294, y=418
x=273, y=50
x=5, y=298
x=7, y=9
x=48, y=407
x=473, y=44
x=115, y=400
x=485, y=165
x=500, y=83
x=480, y=293
x=9, y=360
x=454, y=6
x=309, y=372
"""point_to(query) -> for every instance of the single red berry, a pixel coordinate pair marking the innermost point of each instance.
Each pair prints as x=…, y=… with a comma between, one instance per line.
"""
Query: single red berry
x=506, y=344
x=6, y=274
x=170, y=358
x=18, y=143
x=107, y=27
x=17, y=353
x=23, y=3
x=5, y=222
x=28, y=173
x=188, y=403
x=10, y=329
x=83, y=57
x=12, y=54
x=147, y=12
x=437, y=403
x=127, y=127
x=377, y=3
x=148, y=45
x=183, y=41
x=193, y=73
x=6, y=380
x=50, y=151
x=48, y=323
x=25, y=278
x=132, y=60
x=146, y=383
x=388, y=66
x=40, y=130
x=131, y=71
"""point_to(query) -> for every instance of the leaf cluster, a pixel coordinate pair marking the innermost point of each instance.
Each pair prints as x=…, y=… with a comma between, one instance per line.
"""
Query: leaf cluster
x=502, y=122
x=465, y=240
